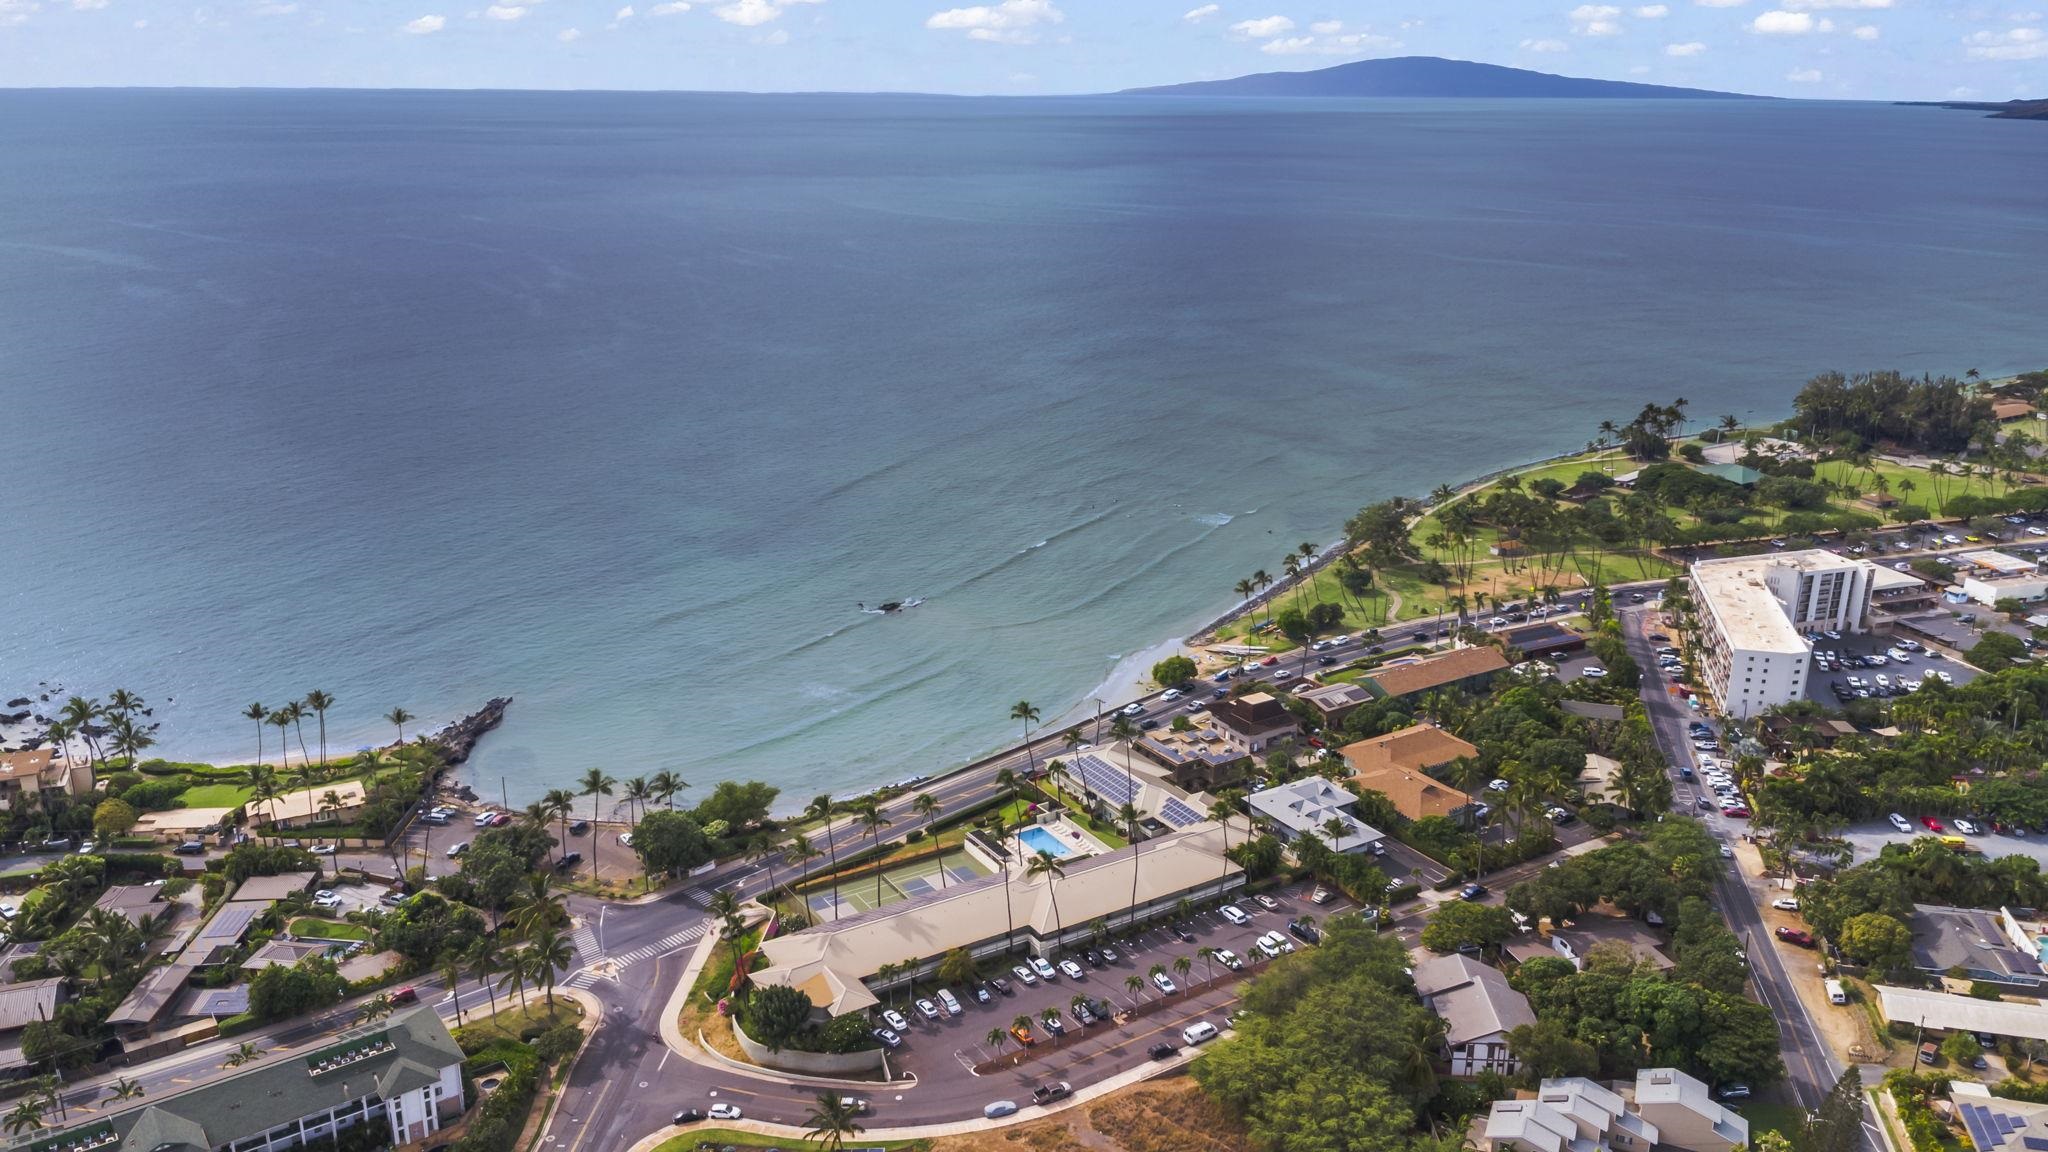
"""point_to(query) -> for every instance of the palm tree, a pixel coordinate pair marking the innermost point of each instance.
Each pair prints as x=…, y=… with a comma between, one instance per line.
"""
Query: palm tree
x=536, y=907
x=1221, y=810
x=831, y=1122
x=639, y=790
x=1208, y=955
x=377, y=1008
x=27, y=1116
x=486, y=959
x=1129, y=815
x=80, y=713
x=1244, y=589
x=872, y=821
x=1023, y=710
x=1050, y=1017
x=399, y=717
x=562, y=803
x=1020, y=1023
x=994, y=1040
x=129, y=741
x=550, y=951
x=994, y=823
x=297, y=711
x=725, y=906
x=281, y=720
x=1181, y=967
x=319, y=702
x=666, y=785
x=123, y=1089
x=762, y=846
x=451, y=972
x=1155, y=972
x=1047, y=865
x=1134, y=986
x=244, y=1054
x=595, y=783
x=516, y=965
x=801, y=852
x=59, y=733
x=820, y=808
x=928, y=807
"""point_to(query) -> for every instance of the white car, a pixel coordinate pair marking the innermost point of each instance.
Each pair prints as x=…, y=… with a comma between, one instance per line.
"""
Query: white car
x=1133, y=709
x=1785, y=904
x=927, y=1009
x=1593, y=672
x=1345, y=638
x=626, y=838
x=483, y=819
x=1071, y=970
x=326, y=899
x=1171, y=694
x=896, y=1020
x=1024, y=975
x=1964, y=826
x=1282, y=674
x=724, y=1112
x=457, y=848
x=2037, y=532
x=1899, y=822
x=1228, y=959
x=1164, y=983
x=317, y=849
x=1727, y=853
x=1043, y=967
x=1497, y=785
x=1234, y=914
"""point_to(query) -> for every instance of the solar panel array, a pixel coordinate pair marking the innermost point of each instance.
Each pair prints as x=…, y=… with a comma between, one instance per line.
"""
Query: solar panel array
x=1109, y=783
x=231, y=921
x=1178, y=814
x=1989, y=1128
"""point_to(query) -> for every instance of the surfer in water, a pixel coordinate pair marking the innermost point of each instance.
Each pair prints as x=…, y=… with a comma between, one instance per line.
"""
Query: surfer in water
x=889, y=606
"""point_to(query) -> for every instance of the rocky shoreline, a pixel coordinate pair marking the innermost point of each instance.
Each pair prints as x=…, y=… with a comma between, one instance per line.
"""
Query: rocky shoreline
x=458, y=739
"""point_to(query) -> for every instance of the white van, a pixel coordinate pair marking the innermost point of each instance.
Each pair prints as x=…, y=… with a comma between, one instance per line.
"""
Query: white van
x=1835, y=993
x=1234, y=914
x=951, y=1001
x=1198, y=1032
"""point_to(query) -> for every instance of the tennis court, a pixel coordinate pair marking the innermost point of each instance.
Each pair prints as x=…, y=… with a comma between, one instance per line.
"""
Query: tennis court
x=913, y=881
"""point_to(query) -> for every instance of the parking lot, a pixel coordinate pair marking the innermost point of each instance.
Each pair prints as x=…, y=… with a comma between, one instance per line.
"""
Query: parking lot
x=1820, y=684
x=1868, y=838
x=952, y=1045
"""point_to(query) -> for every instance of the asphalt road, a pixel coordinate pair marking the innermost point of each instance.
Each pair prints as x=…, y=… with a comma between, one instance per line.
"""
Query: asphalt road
x=1811, y=1068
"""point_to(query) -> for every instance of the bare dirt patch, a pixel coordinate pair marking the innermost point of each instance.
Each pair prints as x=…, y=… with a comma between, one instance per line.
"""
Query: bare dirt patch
x=1164, y=1116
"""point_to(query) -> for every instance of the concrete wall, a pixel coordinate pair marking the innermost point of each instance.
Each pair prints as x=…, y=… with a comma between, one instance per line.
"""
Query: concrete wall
x=811, y=1063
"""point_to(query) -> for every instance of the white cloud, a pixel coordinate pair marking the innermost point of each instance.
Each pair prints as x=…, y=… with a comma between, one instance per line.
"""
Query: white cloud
x=1781, y=23
x=1720, y=3
x=1689, y=48
x=1010, y=22
x=1263, y=26
x=1865, y=32
x=1326, y=27
x=1347, y=44
x=669, y=9
x=748, y=13
x=17, y=11
x=1653, y=11
x=505, y=11
x=1804, y=76
x=1596, y=20
x=88, y=5
x=1545, y=46
x=426, y=24
x=2017, y=44
x=272, y=8
x=1197, y=15
x=1817, y=5
x=623, y=15
x=569, y=35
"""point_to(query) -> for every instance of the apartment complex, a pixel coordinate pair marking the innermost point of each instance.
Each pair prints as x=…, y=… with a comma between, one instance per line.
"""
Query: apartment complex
x=1755, y=612
x=1666, y=1108
x=404, y=1073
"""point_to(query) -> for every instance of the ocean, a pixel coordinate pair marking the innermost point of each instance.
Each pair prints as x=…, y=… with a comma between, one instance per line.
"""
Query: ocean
x=619, y=404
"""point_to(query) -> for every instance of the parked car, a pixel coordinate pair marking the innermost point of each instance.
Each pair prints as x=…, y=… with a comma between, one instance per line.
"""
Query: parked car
x=1047, y=1093
x=1234, y=914
x=1022, y=1034
x=725, y=1112
x=1930, y=823
x=326, y=899
x=1000, y=1109
x=568, y=861
x=190, y=848
x=896, y=1020
x=688, y=1116
x=950, y=1002
x=1162, y=1051
x=1471, y=891
x=1785, y=904
x=1023, y=974
x=405, y=995
x=1899, y=822
x=1043, y=967
x=889, y=1037
x=457, y=848
x=1733, y=1092
x=1965, y=827
x=1164, y=983
x=927, y=1009
x=1795, y=937
x=1267, y=902
x=1229, y=959
x=1071, y=970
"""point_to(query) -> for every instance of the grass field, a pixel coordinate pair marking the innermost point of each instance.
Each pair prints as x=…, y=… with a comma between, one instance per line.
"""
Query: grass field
x=215, y=796
x=511, y=1019
x=308, y=928
x=1783, y=1118
x=721, y=1137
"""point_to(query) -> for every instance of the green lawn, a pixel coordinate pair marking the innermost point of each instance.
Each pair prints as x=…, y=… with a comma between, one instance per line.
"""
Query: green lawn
x=1782, y=1118
x=215, y=796
x=308, y=928
x=511, y=1019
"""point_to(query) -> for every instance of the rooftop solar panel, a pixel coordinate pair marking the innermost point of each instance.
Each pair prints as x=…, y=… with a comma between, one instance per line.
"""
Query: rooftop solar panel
x=1178, y=814
x=1105, y=781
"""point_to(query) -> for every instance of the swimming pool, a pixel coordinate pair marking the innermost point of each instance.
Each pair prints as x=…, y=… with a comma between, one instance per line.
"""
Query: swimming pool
x=1036, y=840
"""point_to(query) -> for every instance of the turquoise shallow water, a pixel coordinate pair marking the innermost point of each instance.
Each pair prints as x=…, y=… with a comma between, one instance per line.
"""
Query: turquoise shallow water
x=619, y=404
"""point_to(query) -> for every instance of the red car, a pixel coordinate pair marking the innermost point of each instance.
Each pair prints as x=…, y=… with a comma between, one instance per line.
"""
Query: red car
x=1795, y=936
x=1932, y=824
x=1738, y=812
x=1269, y=661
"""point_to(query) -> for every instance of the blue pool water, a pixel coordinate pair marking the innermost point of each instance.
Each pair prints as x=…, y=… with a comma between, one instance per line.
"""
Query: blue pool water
x=1039, y=840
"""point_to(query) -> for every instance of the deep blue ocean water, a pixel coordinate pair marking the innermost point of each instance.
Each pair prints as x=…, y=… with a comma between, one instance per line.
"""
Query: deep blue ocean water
x=618, y=404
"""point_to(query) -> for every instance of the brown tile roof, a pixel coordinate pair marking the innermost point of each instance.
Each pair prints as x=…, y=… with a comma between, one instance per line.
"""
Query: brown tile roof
x=1413, y=794
x=1411, y=749
x=2011, y=409
x=1437, y=671
x=26, y=767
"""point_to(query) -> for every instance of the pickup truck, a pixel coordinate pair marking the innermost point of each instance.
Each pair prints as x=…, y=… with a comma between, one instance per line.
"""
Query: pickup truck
x=1047, y=1093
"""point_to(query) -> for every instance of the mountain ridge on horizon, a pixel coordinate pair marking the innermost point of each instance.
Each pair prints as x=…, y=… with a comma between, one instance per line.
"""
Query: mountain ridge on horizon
x=1430, y=76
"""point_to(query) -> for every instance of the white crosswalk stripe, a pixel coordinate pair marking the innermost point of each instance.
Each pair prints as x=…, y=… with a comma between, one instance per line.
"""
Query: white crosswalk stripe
x=586, y=943
x=700, y=895
x=663, y=946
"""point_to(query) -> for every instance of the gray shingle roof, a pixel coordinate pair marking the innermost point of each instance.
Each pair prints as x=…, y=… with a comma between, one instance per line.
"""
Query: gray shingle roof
x=409, y=1052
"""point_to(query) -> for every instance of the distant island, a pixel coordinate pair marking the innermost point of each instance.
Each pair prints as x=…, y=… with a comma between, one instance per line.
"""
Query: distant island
x=2010, y=110
x=1417, y=76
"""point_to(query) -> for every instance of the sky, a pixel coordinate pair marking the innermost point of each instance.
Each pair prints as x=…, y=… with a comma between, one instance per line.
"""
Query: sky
x=1837, y=49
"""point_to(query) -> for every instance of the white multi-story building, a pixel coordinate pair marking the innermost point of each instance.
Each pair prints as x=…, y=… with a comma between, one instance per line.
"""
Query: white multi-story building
x=1755, y=614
